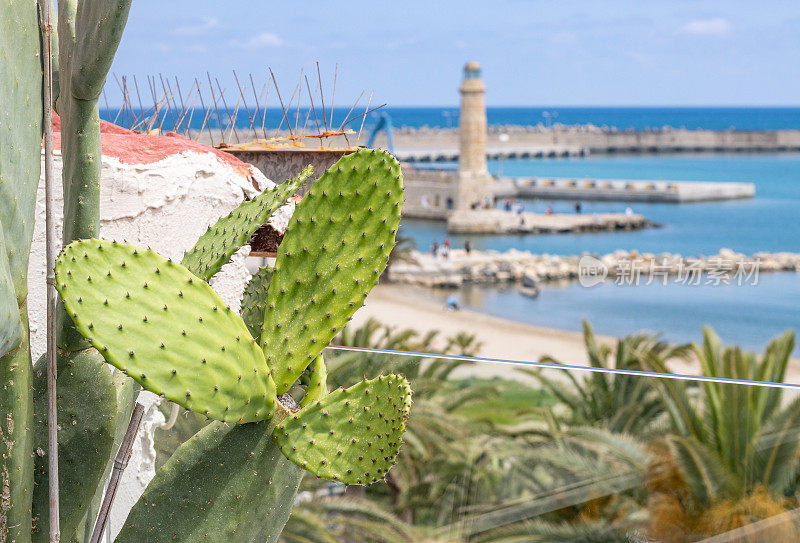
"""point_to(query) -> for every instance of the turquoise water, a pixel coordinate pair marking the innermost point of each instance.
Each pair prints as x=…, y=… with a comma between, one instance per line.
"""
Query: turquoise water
x=748, y=315
x=769, y=222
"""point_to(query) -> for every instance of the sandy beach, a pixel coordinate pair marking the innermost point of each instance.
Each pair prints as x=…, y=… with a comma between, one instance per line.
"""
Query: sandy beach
x=405, y=307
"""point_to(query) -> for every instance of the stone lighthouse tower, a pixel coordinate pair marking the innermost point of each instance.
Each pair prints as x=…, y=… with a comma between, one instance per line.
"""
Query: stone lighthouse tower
x=474, y=181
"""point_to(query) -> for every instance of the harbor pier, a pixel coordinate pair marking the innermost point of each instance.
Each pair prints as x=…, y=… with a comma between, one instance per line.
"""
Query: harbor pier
x=621, y=190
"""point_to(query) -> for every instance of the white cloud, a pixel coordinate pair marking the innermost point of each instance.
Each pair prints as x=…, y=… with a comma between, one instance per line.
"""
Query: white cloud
x=207, y=23
x=716, y=26
x=264, y=39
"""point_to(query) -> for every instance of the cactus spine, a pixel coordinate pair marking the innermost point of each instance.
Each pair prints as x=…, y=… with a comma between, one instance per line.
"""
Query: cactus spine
x=20, y=168
x=226, y=480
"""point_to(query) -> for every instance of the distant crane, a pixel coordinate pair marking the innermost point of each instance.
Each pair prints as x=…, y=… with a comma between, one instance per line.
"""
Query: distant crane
x=385, y=124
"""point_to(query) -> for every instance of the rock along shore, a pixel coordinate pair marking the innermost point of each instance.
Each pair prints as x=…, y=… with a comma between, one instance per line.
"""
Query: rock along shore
x=532, y=269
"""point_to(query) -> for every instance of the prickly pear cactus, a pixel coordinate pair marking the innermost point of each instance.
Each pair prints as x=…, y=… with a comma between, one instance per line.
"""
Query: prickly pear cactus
x=166, y=328
x=162, y=324
x=10, y=324
x=317, y=387
x=217, y=245
x=85, y=438
x=333, y=252
x=20, y=167
x=227, y=483
x=254, y=300
x=351, y=435
x=88, y=36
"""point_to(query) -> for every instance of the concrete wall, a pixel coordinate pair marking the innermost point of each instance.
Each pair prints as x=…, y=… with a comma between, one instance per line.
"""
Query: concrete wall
x=427, y=192
x=540, y=141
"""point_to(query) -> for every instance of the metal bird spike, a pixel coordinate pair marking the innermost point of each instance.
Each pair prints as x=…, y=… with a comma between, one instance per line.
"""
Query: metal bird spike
x=277, y=90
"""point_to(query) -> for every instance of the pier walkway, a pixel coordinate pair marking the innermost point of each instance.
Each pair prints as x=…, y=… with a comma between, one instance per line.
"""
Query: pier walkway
x=621, y=190
x=452, y=154
x=497, y=221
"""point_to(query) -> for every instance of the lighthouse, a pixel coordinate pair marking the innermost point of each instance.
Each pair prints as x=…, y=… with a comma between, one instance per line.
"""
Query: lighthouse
x=474, y=181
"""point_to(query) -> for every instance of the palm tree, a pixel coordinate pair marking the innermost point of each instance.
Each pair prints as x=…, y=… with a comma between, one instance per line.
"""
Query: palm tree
x=733, y=454
x=620, y=403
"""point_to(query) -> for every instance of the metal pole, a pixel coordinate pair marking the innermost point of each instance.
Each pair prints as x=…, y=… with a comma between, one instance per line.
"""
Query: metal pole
x=52, y=296
x=120, y=463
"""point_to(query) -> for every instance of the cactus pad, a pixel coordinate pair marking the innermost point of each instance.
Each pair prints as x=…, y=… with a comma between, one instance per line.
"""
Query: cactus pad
x=352, y=435
x=226, y=483
x=217, y=245
x=98, y=30
x=86, y=397
x=333, y=252
x=165, y=328
x=10, y=325
x=317, y=382
x=254, y=300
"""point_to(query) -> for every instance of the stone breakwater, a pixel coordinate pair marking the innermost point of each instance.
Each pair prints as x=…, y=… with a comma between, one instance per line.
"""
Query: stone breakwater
x=498, y=221
x=726, y=267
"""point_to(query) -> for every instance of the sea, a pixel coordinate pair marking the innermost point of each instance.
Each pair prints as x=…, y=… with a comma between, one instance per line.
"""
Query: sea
x=747, y=315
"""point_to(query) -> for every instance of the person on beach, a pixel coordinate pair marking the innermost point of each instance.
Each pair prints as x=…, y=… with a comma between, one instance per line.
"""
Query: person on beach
x=445, y=251
x=549, y=210
x=519, y=208
x=578, y=208
x=452, y=303
x=468, y=246
x=434, y=248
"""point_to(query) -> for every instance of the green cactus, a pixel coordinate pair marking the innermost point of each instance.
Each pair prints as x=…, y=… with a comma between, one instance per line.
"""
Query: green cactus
x=20, y=167
x=317, y=387
x=217, y=245
x=127, y=390
x=351, y=435
x=88, y=35
x=84, y=405
x=254, y=300
x=10, y=324
x=227, y=483
x=166, y=328
x=333, y=252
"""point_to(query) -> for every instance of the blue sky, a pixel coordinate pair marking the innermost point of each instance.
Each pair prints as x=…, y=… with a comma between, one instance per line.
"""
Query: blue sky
x=533, y=52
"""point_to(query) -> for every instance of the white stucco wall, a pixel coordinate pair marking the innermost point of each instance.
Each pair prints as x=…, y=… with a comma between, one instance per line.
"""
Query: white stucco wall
x=165, y=205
